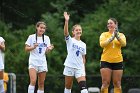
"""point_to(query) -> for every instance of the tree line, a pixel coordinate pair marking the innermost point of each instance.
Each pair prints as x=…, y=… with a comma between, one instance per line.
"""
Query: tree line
x=91, y=15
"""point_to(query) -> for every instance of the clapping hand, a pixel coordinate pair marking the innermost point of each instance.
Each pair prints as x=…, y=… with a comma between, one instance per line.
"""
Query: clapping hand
x=35, y=45
x=112, y=37
x=49, y=48
x=117, y=33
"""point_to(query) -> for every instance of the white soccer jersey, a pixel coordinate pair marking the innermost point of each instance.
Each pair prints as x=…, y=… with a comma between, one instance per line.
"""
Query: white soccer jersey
x=75, y=51
x=1, y=55
x=37, y=56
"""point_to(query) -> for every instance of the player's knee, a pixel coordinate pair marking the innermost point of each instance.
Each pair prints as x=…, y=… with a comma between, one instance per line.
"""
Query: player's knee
x=40, y=84
x=68, y=85
x=117, y=84
x=82, y=85
x=33, y=82
x=105, y=84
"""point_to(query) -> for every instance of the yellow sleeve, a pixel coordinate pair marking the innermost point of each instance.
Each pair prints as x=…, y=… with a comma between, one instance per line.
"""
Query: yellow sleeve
x=122, y=40
x=103, y=40
x=6, y=77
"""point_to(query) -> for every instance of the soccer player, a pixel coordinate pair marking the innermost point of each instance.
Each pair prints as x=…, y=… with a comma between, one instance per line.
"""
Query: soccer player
x=111, y=58
x=75, y=61
x=2, y=48
x=38, y=45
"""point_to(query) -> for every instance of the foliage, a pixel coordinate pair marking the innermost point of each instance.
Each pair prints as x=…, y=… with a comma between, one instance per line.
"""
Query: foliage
x=93, y=24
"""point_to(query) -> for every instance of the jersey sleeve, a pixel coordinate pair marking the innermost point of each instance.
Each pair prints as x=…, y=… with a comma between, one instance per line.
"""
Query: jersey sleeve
x=6, y=78
x=48, y=42
x=28, y=42
x=1, y=39
x=123, y=39
x=68, y=39
x=85, y=51
x=103, y=40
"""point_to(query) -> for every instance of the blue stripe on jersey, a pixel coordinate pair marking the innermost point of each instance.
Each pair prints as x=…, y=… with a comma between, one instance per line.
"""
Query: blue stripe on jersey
x=67, y=37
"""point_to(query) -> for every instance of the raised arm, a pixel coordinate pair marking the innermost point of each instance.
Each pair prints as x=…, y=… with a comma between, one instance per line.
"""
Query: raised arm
x=66, y=16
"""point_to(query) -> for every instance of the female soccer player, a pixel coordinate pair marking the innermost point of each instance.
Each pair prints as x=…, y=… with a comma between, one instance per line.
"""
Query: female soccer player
x=75, y=61
x=111, y=58
x=38, y=45
x=2, y=48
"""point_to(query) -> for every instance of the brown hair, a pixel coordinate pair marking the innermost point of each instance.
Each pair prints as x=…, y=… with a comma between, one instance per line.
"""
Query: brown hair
x=37, y=25
x=114, y=20
x=40, y=22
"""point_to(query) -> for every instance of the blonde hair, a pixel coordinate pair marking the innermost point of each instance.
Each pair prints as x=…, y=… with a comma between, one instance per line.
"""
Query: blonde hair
x=75, y=26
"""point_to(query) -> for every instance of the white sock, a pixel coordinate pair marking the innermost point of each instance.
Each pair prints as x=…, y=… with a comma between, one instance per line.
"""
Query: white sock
x=84, y=91
x=1, y=86
x=31, y=89
x=40, y=91
x=67, y=90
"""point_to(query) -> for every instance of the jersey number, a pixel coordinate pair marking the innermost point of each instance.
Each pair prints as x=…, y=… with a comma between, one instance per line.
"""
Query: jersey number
x=77, y=52
x=40, y=50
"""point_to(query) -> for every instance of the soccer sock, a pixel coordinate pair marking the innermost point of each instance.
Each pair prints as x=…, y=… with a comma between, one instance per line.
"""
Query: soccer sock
x=104, y=90
x=84, y=91
x=67, y=90
x=31, y=89
x=117, y=90
x=1, y=86
x=40, y=91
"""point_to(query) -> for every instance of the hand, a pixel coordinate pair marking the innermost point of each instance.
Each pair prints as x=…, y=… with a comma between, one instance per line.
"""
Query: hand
x=117, y=35
x=35, y=45
x=112, y=37
x=49, y=48
x=66, y=16
x=0, y=45
x=116, y=29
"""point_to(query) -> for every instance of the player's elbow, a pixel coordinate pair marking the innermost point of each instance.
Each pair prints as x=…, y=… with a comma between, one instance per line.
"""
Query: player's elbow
x=102, y=45
x=124, y=45
x=26, y=49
